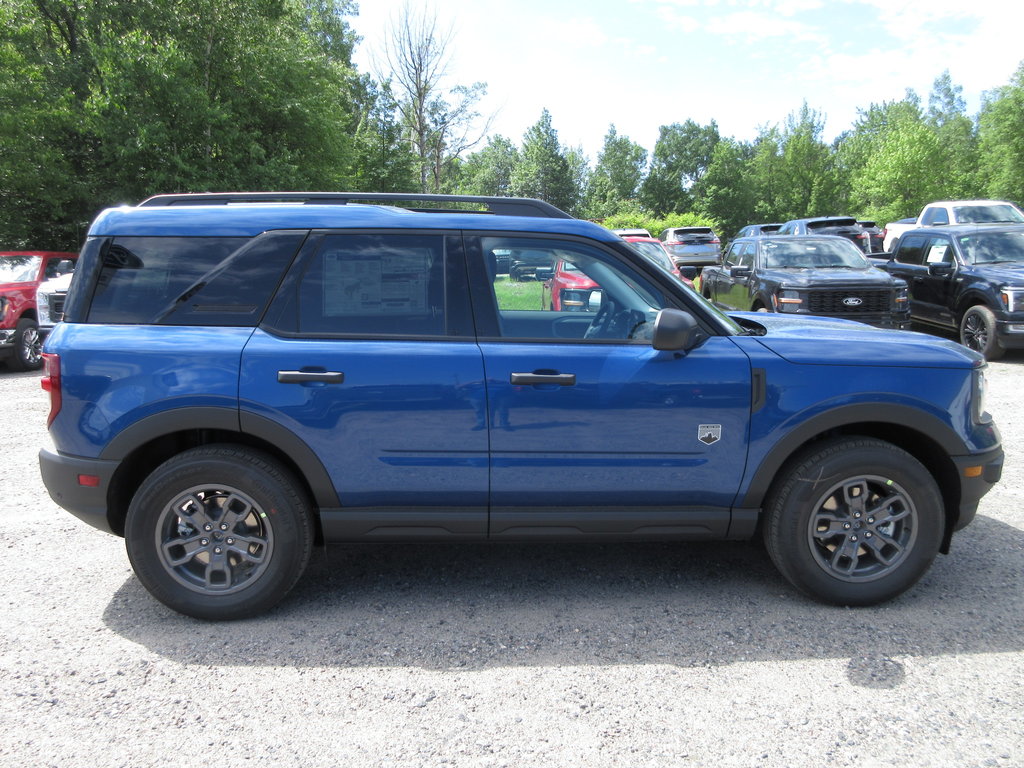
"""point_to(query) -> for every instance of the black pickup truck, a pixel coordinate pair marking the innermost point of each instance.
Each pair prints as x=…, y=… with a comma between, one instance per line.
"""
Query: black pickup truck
x=966, y=278
x=808, y=275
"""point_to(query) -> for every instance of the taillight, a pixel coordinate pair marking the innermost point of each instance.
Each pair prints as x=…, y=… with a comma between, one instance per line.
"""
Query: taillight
x=51, y=383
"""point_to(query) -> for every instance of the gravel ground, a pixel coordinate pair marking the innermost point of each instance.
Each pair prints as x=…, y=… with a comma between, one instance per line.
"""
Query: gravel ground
x=427, y=655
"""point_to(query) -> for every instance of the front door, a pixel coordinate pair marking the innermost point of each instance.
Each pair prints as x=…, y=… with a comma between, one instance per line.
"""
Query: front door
x=592, y=431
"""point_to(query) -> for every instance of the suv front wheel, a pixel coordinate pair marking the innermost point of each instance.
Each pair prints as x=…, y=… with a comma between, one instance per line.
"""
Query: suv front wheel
x=28, y=346
x=854, y=521
x=219, y=532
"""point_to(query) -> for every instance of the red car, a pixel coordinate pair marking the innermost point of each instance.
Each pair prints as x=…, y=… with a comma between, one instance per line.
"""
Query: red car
x=21, y=272
x=569, y=290
x=654, y=249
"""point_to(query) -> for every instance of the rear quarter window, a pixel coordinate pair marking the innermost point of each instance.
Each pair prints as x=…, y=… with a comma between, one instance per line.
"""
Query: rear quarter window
x=219, y=281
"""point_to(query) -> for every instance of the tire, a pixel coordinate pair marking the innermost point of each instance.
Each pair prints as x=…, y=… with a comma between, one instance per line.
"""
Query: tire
x=28, y=347
x=831, y=507
x=978, y=332
x=193, y=511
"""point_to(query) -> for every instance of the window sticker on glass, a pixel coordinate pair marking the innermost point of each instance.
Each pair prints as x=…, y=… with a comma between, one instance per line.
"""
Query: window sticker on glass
x=391, y=284
x=938, y=254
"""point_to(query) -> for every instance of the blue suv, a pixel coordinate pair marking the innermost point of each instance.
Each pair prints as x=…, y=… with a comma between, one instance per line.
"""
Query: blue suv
x=239, y=376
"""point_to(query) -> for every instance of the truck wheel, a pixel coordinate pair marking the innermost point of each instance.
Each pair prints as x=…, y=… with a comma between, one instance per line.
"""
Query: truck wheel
x=978, y=332
x=28, y=347
x=854, y=521
x=219, y=532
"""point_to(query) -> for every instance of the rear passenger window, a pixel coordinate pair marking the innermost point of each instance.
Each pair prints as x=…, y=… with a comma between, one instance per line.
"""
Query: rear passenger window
x=374, y=284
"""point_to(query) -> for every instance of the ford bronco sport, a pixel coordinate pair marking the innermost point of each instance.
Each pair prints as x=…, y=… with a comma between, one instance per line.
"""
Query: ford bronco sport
x=233, y=382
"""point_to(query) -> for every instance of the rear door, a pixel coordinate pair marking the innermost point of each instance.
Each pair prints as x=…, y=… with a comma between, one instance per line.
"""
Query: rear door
x=368, y=357
x=592, y=431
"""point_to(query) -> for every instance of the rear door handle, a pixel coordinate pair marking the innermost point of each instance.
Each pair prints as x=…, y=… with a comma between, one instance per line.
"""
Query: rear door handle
x=562, y=379
x=297, y=377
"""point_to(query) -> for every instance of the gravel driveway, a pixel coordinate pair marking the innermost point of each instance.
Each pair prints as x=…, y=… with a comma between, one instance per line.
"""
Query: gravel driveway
x=504, y=655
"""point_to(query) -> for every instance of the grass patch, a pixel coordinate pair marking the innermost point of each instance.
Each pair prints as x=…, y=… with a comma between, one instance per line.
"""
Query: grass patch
x=513, y=295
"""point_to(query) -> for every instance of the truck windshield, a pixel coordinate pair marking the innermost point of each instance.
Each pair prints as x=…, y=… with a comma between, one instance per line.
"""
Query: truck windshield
x=810, y=253
x=18, y=269
x=988, y=214
x=992, y=247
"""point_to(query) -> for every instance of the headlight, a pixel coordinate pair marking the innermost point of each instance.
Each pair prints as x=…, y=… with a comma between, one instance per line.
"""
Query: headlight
x=788, y=301
x=1013, y=299
x=902, y=297
x=979, y=389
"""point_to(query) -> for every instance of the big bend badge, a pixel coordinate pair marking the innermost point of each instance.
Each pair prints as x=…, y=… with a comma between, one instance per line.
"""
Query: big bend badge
x=709, y=433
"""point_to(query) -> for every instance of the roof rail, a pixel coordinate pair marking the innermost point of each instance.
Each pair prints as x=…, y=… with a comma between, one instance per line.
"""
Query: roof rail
x=501, y=206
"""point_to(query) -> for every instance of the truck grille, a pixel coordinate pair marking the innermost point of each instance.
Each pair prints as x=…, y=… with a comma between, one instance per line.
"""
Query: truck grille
x=844, y=302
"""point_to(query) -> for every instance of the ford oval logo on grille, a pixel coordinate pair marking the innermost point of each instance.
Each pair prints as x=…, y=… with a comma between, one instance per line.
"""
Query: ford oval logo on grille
x=852, y=301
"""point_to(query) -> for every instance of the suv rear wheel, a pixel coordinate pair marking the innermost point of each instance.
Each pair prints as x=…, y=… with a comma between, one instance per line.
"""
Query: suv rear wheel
x=219, y=532
x=854, y=521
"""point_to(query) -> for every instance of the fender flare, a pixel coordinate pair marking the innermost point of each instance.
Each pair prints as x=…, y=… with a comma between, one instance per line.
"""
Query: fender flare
x=305, y=460
x=890, y=414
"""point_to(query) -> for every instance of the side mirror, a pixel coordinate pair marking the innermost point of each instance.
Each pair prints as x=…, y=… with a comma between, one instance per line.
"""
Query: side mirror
x=688, y=272
x=544, y=273
x=740, y=272
x=675, y=330
x=940, y=269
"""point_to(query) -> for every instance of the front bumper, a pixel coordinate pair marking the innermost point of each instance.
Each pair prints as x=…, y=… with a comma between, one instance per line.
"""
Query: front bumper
x=1010, y=334
x=978, y=473
x=63, y=475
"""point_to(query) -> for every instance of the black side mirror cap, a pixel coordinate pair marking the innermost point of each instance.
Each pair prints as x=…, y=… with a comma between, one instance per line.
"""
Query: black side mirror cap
x=675, y=330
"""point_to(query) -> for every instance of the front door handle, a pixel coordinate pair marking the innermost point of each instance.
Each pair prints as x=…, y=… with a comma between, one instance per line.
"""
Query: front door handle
x=537, y=377
x=297, y=377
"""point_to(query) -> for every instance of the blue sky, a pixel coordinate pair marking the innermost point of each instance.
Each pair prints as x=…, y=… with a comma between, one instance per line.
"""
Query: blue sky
x=640, y=64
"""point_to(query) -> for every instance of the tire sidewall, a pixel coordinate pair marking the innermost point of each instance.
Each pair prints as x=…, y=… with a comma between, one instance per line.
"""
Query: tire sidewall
x=21, y=360
x=792, y=506
x=258, y=476
x=992, y=350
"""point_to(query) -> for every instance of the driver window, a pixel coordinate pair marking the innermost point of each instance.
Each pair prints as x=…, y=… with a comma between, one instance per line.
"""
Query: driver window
x=564, y=290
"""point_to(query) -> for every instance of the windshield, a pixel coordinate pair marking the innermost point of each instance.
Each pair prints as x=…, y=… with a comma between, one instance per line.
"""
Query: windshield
x=655, y=253
x=19, y=269
x=992, y=247
x=806, y=253
x=988, y=214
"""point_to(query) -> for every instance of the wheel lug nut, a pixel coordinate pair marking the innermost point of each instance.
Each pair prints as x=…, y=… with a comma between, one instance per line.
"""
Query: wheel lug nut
x=204, y=542
x=853, y=538
x=867, y=535
x=871, y=520
x=857, y=515
x=846, y=526
x=230, y=540
x=207, y=527
x=217, y=550
x=223, y=526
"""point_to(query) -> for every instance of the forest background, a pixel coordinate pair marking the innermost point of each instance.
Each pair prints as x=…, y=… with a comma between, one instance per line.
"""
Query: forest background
x=105, y=102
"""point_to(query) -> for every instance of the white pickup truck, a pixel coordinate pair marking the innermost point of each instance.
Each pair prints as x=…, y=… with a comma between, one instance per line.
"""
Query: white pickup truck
x=955, y=212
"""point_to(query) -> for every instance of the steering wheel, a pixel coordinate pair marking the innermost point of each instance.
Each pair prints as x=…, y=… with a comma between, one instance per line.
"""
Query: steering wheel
x=599, y=326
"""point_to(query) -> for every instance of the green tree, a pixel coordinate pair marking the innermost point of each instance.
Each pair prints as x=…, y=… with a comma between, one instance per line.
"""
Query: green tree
x=489, y=171
x=617, y=175
x=130, y=98
x=726, y=193
x=1001, y=140
x=810, y=183
x=681, y=156
x=544, y=170
x=958, y=139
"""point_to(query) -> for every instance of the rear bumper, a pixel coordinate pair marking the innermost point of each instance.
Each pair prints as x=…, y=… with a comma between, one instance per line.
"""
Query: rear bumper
x=63, y=478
